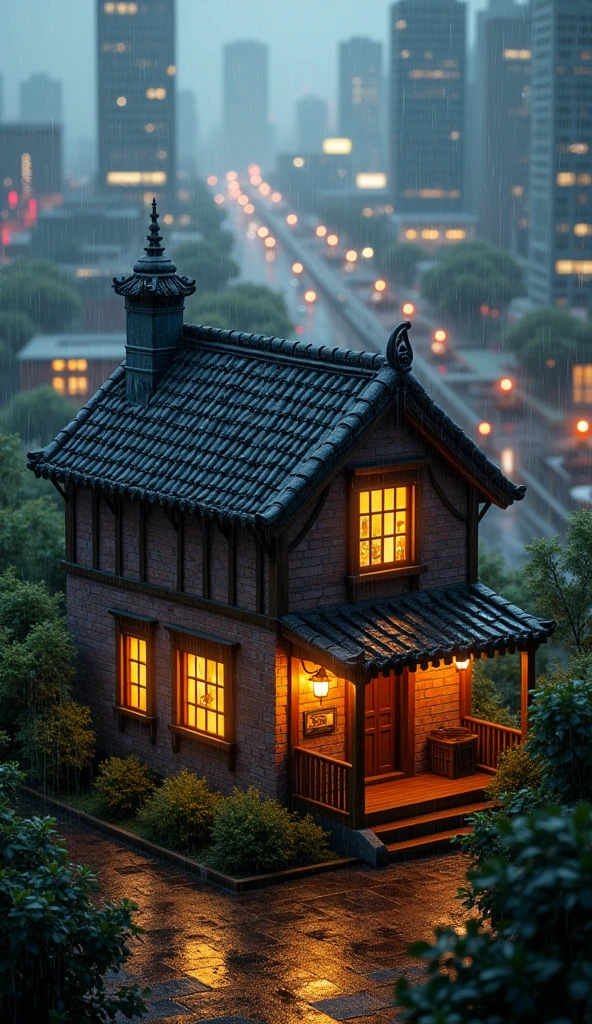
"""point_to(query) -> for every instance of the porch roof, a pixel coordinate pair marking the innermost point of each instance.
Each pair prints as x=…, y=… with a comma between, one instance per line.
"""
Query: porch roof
x=416, y=629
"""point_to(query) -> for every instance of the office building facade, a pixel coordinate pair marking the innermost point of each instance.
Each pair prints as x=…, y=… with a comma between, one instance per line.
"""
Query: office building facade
x=312, y=115
x=427, y=102
x=360, y=101
x=40, y=100
x=136, y=100
x=560, y=239
x=246, y=104
x=187, y=133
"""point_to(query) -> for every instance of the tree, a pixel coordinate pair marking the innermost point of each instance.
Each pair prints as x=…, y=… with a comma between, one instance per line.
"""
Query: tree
x=400, y=260
x=547, y=343
x=16, y=329
x=470, y=276
x=56, y=941
x=42, y=291
x=32, y=540
x=560, y=736
x=251, y=308
x=561, y=578
x=37, y=415
x=210, y=266
x=536, y=966
x=12, y=468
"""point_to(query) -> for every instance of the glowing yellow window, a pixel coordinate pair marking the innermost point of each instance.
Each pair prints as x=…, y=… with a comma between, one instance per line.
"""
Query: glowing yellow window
x=203, y=695
x=135, y=655
x=582, y=384
x=385, y=527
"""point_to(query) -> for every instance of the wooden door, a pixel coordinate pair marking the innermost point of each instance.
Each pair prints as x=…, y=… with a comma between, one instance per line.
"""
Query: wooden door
x=382, y=726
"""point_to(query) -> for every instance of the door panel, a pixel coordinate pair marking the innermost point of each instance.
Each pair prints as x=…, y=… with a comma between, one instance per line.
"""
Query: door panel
x=382, y=726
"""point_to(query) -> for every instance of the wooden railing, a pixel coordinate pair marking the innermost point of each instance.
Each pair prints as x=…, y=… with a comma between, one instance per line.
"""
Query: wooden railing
x=321, y=780
x=493, y=740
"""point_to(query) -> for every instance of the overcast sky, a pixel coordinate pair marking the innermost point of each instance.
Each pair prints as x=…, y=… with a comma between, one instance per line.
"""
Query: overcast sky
x=58, y=36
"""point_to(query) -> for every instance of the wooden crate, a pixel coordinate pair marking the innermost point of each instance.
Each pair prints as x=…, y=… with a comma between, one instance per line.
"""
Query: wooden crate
x=453, y=757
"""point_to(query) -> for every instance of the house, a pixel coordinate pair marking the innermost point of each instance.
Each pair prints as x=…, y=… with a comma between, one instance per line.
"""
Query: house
x=74, y=364
x=272, y=566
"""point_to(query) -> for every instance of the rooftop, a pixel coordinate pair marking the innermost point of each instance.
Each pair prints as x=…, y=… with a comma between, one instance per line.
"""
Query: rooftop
x=77, y=346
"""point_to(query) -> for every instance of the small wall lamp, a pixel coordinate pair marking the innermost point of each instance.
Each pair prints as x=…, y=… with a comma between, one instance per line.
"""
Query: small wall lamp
x=462, y=663
x=320, y=680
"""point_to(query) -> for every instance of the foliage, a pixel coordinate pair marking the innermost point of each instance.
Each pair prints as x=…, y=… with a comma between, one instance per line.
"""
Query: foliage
x=517, y=770
x=24, y=605
x=494, y=572
x=206, y=215
x=209, y=265
x=36, y=673
x=487, y=703
x=16, y=329
x=247, y=307
x=547, y=343
x=180, y=813
x=561, y=578
x=11, y=468
x=536, y=968
x=123, y=786
x=32, y=540
x=56, y=942
x=37, y=415
x=470, y=276
x=252, y=835
x=58, y=743
x=400, y=260
x=561, y=735
x=41, y=291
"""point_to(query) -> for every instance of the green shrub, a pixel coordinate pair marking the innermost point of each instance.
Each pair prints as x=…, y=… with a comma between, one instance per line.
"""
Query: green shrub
x=180, y=814
x=252, y=835
x=58, y=744
x=123, y=786
x=516, y=770
x=561, y=735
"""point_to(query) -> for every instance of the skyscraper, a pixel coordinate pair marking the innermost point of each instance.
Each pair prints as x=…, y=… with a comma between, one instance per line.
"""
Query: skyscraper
x=40, y=100
x=428, y=39
x=311, y=123
x=245, y=104
x=187, y=132
x=560, y=238
x=136, y=97
x=501, y=123
x=359, y=109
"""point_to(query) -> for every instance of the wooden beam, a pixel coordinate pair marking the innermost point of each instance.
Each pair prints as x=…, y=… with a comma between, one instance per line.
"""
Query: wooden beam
x=472, y=534
x=143, y=541
x=96, y=528
x=71, y=522
x=206, y=560
x=118, y=521
x=278, y=577
x=181, y=551
x=259, y=576
x=231, y=549
x=465, y=690
x=527, y=685
x=357, y=791
x=406, y=707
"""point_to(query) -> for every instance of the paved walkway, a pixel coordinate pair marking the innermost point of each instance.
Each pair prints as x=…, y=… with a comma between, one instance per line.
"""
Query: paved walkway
x=321, y=950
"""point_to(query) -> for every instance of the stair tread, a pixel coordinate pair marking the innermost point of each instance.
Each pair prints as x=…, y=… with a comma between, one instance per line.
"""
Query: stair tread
x=401, y=823
x=433, y=837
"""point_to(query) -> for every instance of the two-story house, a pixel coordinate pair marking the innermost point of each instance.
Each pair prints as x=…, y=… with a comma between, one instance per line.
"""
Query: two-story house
x=272, y=565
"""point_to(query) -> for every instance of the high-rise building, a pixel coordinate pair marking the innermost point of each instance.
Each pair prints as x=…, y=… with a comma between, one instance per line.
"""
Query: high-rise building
x=1, y=98
x=501, y=123
x=560, y=236
x=40, y=100
x=428, y=42
x=245, y=104
x=360, y=101
x=136, y=97
x=187, y=132
x=311, y=123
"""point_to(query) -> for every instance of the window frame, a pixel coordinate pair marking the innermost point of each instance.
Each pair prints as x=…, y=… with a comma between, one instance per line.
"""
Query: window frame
x=190, y=641
x=140, y=627
x=368, y=478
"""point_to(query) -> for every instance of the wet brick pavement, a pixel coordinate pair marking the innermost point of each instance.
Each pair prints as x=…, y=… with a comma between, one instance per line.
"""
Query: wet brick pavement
x=317, y=951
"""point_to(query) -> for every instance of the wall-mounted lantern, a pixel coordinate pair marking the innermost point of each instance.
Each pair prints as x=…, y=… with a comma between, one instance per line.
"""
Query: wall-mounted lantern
x=320, y=680
x=462, y=663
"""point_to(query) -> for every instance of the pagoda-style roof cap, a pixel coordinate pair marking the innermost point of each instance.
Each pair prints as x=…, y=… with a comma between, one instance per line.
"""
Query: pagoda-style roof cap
x=154, y=273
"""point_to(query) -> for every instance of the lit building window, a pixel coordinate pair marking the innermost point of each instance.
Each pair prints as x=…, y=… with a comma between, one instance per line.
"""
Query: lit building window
x=582, y=384
x=385, y=527
x=59, y=365
x=517, y=190
x=584, y=179
x=156, y=94
x=149, y=127
x=136, y=178
x=171, y=70
x=59, y=384
x=135, y=683
x=578, y=147
x=121, y=101
x=411, y=233
x=566, y=178
x=298, y=161
x=455, y=234
x=76, y=364
x=455, y=136
x=436, y=73
x=401, y=24
x=517, y=54
x=162, y=154
x=582, y=230
x=405, y=54
x=120, y=8
x=77, y=385
x=582, y=268
x=431, y=234
x=202, y=694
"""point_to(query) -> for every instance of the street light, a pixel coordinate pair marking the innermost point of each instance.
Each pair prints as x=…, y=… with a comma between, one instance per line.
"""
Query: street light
x=484, y=428
x=380, y=285
x=297, y=268
x=506, y=385
x=310, y=296
x=408, y=309
x=583, y=428
x=291, y=218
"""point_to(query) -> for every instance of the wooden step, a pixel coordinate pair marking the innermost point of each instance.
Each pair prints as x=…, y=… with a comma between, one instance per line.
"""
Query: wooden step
x=425, y=846
x=426, y=805
x=428, y=824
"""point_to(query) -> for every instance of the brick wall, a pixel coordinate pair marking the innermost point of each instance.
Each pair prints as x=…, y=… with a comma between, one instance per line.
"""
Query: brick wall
x=84, y=527
x=256, y=718
x=437, y=702
x=161, y=549
x=332, y=744
x=193, y=556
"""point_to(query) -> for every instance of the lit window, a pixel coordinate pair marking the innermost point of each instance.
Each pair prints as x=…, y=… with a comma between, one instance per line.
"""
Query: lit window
x=436, y=73
x=59, y=365
x=121, y=101
x=584, y=179
x=566, y=178
x=121, y=8
x=582, y=268
x=298, y=161
x=136, y=178
x=401, y=24
x=517, y=190
x=162, y=154
x=59, y=384
x=156, y=94
x=455, y=136
x=582, y=230
x=385, y=526
x=171, y=70
x=149, y=127
x=517, y=54
x=75, y=364
x=578, y=147
x=431, y=234
x=455, y=234
x=582, y=384
x=405, y=54
x=135, y=665
x=202, y=694
x=77, y=385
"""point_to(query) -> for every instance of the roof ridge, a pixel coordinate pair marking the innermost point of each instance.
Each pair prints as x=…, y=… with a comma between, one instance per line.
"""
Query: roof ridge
x=300, y=350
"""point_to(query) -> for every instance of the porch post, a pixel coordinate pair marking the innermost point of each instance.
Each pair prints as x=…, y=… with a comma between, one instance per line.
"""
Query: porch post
x=465, y=690
x=357, y=789
x=527, y=684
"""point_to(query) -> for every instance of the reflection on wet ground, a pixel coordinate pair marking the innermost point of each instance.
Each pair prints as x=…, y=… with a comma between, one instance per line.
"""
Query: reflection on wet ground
x=321, y=950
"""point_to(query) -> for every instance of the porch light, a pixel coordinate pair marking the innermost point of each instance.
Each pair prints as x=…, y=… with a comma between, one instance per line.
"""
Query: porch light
x=320, y=683
x=462, y=664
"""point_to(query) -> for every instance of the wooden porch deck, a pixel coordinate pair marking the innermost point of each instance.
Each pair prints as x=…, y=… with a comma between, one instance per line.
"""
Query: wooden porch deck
x=407, y=797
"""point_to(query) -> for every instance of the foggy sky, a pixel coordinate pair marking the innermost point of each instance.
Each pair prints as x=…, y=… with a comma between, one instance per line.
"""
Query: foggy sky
x=58, y=37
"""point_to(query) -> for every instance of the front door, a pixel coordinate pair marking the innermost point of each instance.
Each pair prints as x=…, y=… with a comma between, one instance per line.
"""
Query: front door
x=382, y=726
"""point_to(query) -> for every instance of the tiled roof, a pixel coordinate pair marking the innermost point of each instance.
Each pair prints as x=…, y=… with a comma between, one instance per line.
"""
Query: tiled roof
x=244, y=427
x=418, y=628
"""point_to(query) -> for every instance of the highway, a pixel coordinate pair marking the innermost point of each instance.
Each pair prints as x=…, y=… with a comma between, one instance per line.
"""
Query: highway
x=464, y=388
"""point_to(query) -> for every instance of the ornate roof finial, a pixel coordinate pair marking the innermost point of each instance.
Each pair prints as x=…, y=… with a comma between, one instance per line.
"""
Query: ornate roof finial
x=399, y=353
x=154, y=247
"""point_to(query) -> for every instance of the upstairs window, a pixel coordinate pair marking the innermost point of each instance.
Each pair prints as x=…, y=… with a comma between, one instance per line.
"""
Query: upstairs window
x=385, y=527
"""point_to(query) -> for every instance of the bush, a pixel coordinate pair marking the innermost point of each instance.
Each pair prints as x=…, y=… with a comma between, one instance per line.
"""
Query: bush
x=516, y=771
x=57, y=745
x=24, y=605
x=561, y=736
x=56, y=942
x=486, y=701
x=123, y=786
x=252, y=835
x=180, y=814
x=38, y=415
